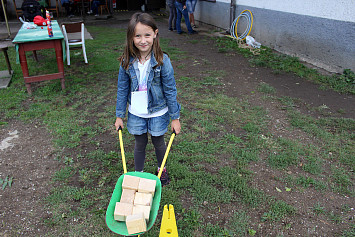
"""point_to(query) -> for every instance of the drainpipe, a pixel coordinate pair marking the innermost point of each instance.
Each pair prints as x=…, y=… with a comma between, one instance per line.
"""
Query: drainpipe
x=232, y=7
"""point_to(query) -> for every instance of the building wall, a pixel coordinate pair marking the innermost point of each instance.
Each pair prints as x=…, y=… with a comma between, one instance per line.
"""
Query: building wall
x=321, y=32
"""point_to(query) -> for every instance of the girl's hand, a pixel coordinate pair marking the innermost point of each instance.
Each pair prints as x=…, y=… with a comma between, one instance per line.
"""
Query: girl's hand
x=119, y=123
x=175, y=126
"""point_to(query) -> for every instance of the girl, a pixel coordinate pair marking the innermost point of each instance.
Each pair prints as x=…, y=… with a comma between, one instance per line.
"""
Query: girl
x=146, y=82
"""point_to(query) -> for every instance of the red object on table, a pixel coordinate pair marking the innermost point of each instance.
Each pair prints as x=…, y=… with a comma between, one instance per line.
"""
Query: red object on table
x=40, y=40
x=40, y=21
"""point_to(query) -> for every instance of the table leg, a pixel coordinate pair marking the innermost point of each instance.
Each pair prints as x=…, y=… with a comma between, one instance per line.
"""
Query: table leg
x=59, y=56
x=7, y=60
x=24, y=67
x=35, y=55
x=28, y=87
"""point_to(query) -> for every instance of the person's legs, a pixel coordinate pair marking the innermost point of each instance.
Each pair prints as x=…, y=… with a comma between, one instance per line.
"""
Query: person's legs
x=189, y=9
x=192, y=19
x=157, y=127
x=72, y=9
x=174, y=17
x=139, y=151
x=191, y=4
x=171, y=16
x=178, y=7
x=160, y=148
x=187, y=21
x=95, y=7
x=67, y=8
x=138, y=127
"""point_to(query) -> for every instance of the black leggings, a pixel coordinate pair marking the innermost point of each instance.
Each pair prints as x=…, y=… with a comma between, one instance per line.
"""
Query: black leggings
x=139, y=150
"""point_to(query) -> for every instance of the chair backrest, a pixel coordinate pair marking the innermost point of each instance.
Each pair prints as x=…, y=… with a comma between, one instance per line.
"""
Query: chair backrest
x=73, y=27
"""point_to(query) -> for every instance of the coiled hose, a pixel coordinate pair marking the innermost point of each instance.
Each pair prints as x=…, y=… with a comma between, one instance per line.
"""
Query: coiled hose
x=249, y=16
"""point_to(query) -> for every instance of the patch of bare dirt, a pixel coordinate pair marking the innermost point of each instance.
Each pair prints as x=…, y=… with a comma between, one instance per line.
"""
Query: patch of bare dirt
x=29, y=159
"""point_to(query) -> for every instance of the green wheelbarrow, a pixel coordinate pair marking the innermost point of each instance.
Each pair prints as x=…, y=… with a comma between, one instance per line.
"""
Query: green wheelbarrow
x=119, y=227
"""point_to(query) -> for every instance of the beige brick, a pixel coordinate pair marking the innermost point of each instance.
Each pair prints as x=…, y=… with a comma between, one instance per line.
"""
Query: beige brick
x=127, y=195
x=144, y=199
x=130, y=182
x=136, y=223
x=147, y=186
x=142, y=209
x=122, y=210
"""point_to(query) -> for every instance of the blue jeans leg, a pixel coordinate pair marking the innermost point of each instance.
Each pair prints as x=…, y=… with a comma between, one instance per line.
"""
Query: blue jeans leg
x=181, y=11
x=178, y=18
x=172, y=17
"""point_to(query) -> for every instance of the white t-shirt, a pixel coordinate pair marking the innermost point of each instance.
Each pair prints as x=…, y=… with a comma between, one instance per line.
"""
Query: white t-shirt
x=142, y=86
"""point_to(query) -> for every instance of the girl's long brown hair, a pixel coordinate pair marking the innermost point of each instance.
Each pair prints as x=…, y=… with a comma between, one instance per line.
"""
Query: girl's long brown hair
x=131, y=49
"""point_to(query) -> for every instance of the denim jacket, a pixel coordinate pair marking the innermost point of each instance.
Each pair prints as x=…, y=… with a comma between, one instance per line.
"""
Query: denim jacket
x=160, y=84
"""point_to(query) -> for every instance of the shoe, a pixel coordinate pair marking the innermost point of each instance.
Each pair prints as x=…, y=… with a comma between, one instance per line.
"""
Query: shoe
x=181, y=32
x=89, y=12
x=164, y=178
x=97, y=15
x=170, y=29
x=193, y=32
x=194, y=26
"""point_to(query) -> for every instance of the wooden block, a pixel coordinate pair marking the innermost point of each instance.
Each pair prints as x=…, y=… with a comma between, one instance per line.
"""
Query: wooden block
x=127, y=195
x=147, y=186
x=142, y=209
x=136, y=223
x=130, y=182
x=144, y=199
x=122, y=210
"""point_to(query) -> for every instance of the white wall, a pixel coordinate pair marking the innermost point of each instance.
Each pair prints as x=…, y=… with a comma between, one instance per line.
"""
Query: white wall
x=320, y=32
x=342, y=10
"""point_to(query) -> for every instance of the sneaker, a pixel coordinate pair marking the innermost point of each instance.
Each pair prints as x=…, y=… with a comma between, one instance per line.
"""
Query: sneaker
x=97, y=15
x=194, y=26
x=193, y=32
x=170, y=29
x=164, y=178
x=89, y=12
x=181, y=32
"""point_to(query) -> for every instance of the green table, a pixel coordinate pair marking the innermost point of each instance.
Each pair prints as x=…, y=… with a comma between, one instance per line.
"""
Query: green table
x=37, y=39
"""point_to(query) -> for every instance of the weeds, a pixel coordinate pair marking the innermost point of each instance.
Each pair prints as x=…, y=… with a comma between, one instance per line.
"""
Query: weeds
x=344, y=83
x=7, y=182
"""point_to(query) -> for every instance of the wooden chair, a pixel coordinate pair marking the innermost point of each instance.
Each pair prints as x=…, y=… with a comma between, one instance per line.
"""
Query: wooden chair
x=53, y=8
x=104, y=6
x=17, y=9
x=77, y=42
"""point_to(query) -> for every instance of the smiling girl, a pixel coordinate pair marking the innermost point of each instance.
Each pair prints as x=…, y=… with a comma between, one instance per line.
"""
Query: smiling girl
x=146, y=83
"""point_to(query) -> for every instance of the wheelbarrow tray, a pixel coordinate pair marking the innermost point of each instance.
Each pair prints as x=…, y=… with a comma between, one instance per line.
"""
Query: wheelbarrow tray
x=119, y=227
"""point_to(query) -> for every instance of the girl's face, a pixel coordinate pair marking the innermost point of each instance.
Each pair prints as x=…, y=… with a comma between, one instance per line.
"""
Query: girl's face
x=143, y=38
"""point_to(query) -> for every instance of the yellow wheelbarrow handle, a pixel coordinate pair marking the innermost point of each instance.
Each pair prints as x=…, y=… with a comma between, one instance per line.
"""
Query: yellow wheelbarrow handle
x=122, y=150
x=166, y=154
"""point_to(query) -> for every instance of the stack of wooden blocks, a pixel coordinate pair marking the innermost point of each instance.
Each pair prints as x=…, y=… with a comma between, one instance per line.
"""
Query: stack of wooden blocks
x=135, y=203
